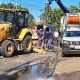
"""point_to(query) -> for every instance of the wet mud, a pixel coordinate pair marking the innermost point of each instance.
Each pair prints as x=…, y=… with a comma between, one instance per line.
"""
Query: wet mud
x=40, y=71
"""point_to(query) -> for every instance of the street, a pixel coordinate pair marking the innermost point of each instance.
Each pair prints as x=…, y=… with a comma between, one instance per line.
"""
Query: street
x=67, y=68
x=35, y=37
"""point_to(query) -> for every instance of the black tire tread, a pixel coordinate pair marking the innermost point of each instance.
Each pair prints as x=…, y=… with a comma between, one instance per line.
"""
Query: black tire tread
x=3, y=46
x=24, y=41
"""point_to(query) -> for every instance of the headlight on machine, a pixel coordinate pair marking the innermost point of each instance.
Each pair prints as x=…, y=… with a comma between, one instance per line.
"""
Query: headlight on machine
x=66, y=42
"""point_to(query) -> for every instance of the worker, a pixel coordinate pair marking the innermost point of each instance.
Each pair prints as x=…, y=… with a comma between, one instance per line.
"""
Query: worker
x=50, y=40
x=40, y=34
x=56, y=37
x=48, y=36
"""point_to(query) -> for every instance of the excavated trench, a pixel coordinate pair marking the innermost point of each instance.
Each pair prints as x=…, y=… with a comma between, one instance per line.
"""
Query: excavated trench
x=38, y=69
x=43, y=68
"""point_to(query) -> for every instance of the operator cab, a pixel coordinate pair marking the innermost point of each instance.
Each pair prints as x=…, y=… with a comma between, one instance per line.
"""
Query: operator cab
x=15, y=17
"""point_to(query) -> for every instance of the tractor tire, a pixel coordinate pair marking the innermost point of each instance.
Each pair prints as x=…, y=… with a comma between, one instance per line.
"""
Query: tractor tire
x=7, y=48
x=27, y=43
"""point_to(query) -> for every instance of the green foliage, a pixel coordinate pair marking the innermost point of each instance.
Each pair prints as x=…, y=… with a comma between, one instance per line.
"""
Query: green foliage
x=31, y=21
x=10, y=5
x=73, y=9
x=79, y=7
x=54, y=15
x=31, y=17
x=31, y=24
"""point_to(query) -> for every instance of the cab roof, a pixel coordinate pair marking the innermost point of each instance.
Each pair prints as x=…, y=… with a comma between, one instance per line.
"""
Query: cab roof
x=13, y=10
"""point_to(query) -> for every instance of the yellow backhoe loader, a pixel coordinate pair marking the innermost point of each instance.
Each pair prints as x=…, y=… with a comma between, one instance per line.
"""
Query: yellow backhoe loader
x=14, y=33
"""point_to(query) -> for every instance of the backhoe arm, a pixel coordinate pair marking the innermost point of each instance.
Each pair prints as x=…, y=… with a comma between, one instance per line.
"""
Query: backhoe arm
x=64, y=9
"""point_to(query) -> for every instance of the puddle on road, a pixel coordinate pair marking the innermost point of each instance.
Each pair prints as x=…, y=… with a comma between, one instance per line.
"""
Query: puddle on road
x=41, y=71
x=37, y=72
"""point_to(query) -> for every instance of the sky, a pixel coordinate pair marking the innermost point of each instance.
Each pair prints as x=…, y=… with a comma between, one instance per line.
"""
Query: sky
x=36, y=6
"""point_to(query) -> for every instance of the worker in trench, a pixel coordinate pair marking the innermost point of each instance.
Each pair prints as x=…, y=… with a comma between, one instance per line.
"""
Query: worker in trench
x=45, y=37
x=48, y=38
x=40, y=34
x=56, y=38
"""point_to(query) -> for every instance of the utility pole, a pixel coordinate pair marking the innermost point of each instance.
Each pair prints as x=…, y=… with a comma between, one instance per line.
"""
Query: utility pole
x=47, y=5
x=16, y=5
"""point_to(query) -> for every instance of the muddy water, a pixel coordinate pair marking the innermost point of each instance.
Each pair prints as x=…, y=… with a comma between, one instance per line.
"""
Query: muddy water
x=42, y=70
x=34, y=72
x=37, y=72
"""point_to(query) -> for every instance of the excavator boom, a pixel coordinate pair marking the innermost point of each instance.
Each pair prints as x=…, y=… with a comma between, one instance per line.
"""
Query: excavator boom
x=64, y=9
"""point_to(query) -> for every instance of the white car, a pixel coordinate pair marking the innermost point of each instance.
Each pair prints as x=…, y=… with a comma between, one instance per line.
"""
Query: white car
x=71, y=41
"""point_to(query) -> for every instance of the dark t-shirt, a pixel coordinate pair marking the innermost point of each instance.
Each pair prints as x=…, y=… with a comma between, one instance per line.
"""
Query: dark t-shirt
x=48, y=35
x=51, y=35
x=40, y=33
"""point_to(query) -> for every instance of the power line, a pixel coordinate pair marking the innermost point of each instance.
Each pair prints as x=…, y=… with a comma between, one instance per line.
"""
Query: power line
x=30, y=6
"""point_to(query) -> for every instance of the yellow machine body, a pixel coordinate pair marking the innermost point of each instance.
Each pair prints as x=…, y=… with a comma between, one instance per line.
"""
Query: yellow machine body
x=23, y=33
x=14, y=34
x=4, y=30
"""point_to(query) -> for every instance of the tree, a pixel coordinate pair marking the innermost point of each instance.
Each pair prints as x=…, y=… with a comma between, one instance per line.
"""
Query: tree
x=73, y=9
x=3, y=5
x=79, y=7
x=31, y=21
x=10, y=5
x=54, y=15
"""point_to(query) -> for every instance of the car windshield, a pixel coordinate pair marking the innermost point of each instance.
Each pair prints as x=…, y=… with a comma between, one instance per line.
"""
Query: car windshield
x=72, y=33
